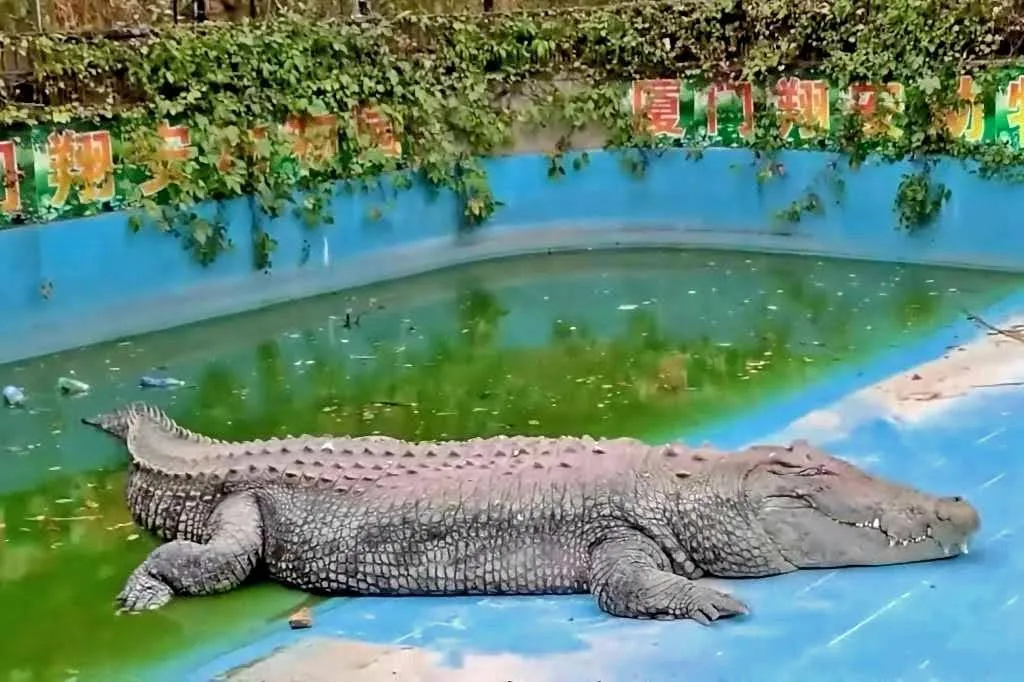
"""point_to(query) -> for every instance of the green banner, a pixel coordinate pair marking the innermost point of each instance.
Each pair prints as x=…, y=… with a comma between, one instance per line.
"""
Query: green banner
x=807, y=109
x=79, y=169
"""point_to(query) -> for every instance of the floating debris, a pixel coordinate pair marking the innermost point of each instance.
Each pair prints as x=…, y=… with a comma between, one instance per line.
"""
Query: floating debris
x=14, y=396
x=160, y=382
x=69, y=386
x=303, y=618
x=351, y=319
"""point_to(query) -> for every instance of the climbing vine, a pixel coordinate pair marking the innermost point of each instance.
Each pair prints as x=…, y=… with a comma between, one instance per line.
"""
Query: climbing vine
x=919, y=199
x=455, y=89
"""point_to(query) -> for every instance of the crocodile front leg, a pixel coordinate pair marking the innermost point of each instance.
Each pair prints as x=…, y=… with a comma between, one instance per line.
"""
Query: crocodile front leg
x=630, y=576
x=189, y=568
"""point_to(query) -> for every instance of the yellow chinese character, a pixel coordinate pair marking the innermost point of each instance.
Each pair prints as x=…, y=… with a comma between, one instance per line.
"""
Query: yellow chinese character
x=316, y=137
x=226, y=160
x=804, y=103
x=864, y=98
x=967, y=121
x=82, y=158
x=379, y=130
x=94, y=161
x=60, y=148
x=175, y=148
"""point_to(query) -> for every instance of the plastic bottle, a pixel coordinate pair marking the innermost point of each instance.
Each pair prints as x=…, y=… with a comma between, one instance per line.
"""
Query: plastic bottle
x=68, y=385
x=160, y=382
x=14, y=396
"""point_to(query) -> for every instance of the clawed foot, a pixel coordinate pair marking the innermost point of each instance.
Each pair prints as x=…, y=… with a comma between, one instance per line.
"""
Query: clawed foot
x=706, y=604
x=143, y=592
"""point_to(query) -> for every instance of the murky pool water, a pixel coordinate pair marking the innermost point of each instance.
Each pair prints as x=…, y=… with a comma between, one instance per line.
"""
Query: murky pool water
x=649, y=344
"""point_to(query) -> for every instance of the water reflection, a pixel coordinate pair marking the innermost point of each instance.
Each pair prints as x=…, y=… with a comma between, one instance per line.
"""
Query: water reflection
x=642, y=344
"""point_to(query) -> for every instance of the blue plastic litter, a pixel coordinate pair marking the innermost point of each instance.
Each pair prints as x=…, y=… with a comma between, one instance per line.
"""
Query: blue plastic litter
x=160, y=382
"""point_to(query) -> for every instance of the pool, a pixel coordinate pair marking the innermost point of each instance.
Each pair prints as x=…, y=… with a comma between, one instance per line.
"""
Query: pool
x=653, y=344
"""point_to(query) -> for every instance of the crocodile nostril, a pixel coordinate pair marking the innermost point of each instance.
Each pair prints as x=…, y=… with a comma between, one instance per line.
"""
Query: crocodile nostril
x=959, y=511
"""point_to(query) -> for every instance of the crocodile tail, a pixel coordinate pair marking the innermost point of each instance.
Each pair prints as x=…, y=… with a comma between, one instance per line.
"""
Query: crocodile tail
x=117, y=422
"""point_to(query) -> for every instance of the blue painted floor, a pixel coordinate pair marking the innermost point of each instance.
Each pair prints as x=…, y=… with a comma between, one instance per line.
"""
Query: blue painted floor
x=956, y=620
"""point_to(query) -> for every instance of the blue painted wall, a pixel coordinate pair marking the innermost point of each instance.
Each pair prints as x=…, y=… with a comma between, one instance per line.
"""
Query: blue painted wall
x=108, y=282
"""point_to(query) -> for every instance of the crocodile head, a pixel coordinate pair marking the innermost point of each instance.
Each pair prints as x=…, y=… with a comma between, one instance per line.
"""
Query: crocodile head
x=117, y=421
x=801, y=508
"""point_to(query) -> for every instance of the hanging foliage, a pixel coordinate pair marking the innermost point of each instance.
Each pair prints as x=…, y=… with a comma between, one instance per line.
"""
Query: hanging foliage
x=283, y=109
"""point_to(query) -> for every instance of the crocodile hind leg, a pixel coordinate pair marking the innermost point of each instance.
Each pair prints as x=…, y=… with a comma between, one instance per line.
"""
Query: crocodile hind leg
x=190, y=568
x=630, y=577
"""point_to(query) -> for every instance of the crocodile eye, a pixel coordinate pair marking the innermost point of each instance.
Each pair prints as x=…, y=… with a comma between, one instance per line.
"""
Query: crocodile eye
x=786, y=469
x=820, y=470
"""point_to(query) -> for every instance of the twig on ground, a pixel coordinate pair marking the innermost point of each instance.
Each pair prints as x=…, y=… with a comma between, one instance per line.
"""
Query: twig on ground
x=1008, y=333
x=999, y=384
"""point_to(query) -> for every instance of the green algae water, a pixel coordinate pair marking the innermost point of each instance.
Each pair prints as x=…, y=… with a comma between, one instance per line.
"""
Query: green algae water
x=643, y=343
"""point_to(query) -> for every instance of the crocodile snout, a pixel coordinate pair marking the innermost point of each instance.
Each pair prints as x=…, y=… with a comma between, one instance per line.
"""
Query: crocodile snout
x=959, y=513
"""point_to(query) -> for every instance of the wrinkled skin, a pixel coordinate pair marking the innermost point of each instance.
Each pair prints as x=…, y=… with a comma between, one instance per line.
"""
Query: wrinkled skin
x=633, y=524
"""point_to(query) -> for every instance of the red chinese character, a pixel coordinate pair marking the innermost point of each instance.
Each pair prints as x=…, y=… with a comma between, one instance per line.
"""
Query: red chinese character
x=967, y=121
x=60, y=148
x=10, y=178
x=744, y=92
x=804, y=103
x=94, y=161
x=1015, y=107
x=316, y=137
x=864, y=98
x=175, y=148
x=370, y=121
x=658, y=101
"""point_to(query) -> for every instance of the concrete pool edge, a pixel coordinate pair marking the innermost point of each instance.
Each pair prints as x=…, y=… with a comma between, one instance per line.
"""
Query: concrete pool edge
x=237, y=295
x=234, y=295
x=84, y=281
x=768, y=420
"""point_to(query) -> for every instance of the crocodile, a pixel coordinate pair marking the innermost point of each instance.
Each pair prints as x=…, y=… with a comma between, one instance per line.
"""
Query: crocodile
x=636, y=525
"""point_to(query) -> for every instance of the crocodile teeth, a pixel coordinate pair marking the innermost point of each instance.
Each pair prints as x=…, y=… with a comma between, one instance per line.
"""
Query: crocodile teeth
x=892, y=542
x=877, y=523
x=963, y=548
x=928, y=531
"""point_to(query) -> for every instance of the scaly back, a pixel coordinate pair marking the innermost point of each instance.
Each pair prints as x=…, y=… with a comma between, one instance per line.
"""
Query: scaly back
x=162, y=447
